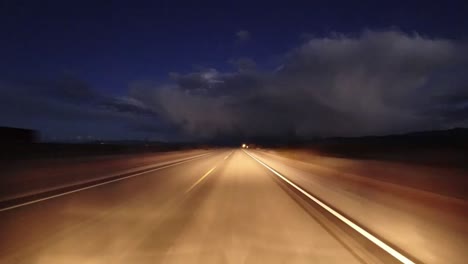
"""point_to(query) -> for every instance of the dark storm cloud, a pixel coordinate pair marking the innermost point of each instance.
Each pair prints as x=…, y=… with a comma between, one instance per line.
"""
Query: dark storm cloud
x=243, y=36
x=127, y=105
x=200, y=81
x=243, y=64
x=65, y=88
x=69, y=89
x=340, y=85
x=372, y=83
x=68, y=107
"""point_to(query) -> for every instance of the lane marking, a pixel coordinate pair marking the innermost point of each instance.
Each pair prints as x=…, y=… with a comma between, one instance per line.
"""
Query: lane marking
x=99, y=184
x=400, y=257
x=228, y=155
x=200, y=180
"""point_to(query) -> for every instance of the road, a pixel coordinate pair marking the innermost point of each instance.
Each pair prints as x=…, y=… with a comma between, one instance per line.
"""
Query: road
x=225, y=207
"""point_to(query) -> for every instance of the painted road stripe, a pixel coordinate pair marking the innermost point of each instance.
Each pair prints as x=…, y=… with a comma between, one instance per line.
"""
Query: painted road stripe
x=200, y=180
x=99, y=184
x=228, y=155
x=354, y=226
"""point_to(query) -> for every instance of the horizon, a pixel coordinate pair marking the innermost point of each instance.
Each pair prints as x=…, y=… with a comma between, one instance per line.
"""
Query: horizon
x=223, y=141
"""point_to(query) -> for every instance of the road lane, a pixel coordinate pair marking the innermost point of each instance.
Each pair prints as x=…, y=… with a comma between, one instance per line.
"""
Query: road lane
x=30, y=233
x=29, y=177
x=71, y=188
x=428, y=235
x=240, y=215
x=333, y=212
x=212, y=210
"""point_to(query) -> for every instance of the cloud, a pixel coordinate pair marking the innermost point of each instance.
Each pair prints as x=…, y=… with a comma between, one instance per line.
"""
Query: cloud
x=371, y=83
x=243, y=64
x=127, y=105
x=201, y=80
x=68, y=107
x=376, y=82
x=243, y=36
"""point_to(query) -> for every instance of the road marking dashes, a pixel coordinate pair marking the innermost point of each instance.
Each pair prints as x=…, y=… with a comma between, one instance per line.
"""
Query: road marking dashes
x=102, y=183
x=200, y=180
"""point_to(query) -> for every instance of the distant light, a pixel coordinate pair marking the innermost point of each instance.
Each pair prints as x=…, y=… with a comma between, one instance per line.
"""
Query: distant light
x=244, y=145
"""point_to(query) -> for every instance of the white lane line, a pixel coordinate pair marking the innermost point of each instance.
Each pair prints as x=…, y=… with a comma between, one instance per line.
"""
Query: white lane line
x=228, y=155
x=354, y=226
x=96, y=185
x=200, y=180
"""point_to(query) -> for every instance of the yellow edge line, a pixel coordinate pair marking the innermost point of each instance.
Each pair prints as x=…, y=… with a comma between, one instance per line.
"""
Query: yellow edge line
x=103, y=183
x=201, y=179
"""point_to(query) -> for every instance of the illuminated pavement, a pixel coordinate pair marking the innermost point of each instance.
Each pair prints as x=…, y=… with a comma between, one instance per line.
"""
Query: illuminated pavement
x=220, y=208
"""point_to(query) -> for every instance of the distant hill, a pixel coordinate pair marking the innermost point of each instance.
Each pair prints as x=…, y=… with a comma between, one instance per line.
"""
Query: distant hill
x=22, y=150
x=13, y=135
x=442, y=148
x=456, y=137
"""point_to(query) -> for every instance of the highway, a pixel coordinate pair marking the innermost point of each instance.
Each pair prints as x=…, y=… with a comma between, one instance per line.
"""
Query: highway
x=225, y=207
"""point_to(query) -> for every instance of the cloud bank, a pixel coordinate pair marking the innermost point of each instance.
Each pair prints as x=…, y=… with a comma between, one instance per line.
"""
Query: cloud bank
x=69, y=109
x=372, y=83
x=340, y=85
x=243, y=35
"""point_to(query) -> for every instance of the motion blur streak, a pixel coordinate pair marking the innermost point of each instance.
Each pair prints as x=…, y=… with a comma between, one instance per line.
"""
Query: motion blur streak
x=238, y=214
x=103, y=183
x=359, y=229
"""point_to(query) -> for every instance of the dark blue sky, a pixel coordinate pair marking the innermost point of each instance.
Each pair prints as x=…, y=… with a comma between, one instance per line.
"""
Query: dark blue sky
x=110, y=44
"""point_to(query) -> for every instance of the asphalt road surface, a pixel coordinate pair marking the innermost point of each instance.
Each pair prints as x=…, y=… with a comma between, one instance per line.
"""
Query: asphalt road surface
x=225, y=207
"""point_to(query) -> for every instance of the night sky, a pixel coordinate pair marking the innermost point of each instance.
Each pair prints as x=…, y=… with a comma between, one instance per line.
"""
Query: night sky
x=173, y=70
